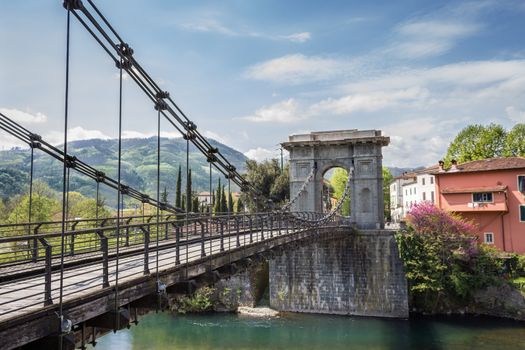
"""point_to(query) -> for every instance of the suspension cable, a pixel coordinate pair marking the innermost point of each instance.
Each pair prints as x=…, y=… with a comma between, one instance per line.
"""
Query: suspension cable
x=119, y=204
x=158, y=199
x=64, y=184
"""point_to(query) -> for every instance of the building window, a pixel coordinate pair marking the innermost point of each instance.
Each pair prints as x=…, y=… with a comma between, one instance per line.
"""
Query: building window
x=406, y=192
x=522, y=213
x=423, y=181
x=432, y=180
x=414, y=191
x=424, y=196
x=482, y=197
x=432, y=196
x=521, y=183
x=489, y=238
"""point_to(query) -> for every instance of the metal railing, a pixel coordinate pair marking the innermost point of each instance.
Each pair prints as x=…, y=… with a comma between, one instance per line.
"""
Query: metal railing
x=32, y=261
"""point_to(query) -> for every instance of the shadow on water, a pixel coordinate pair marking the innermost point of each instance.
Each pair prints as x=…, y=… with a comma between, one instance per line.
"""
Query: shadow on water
x=165, y=331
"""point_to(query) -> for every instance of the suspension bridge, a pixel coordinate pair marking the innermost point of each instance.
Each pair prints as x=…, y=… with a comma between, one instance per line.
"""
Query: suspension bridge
x=61, y=280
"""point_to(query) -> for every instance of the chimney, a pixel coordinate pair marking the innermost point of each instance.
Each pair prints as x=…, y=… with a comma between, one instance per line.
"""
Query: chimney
x=441, y=164
x=454, y=166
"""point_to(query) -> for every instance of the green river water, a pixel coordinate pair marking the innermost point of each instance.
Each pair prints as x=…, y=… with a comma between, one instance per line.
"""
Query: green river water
x=165, y=331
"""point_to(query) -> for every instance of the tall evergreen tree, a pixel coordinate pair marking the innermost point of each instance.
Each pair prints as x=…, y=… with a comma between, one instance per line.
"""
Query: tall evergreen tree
x=224, y=203
x=230, y=202
x=195, y=205
x=240, y=206
x=164, y=195
x=178, y=200
x=218, y=197
x=189, y=191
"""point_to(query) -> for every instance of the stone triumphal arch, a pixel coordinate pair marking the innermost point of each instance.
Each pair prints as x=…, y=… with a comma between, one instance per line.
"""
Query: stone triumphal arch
x=357, y=151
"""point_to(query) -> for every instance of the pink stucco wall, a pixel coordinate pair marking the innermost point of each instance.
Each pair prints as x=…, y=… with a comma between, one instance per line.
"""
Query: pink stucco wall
x=502, y=217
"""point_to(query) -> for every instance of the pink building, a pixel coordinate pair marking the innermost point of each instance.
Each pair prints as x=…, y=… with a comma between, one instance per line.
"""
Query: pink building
x=491, y=193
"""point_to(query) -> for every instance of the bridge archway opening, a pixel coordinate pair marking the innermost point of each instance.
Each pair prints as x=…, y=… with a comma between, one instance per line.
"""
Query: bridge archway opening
x=333, y=183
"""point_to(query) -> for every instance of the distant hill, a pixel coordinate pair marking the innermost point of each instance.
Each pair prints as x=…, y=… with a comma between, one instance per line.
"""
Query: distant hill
x=139, y=166
x=399, y=171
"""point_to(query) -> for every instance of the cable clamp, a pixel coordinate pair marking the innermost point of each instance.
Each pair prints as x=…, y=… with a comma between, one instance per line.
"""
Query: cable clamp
x=124, y=64
x=70, y=161
x=125, y=50
x=162, y=94
x=124, y=189
x=73, y=4
x=161, y=105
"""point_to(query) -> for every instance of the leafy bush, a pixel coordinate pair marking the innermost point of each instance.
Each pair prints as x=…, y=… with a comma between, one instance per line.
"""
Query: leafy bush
x=200, y=301
x=443, y=263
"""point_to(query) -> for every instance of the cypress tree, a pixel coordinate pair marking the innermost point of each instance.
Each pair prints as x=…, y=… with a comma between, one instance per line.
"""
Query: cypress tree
x=224, y=203
x=188, y=191
x=240, y=206
x=218, y=206
x=195, y=204
x=178, y=201
x=164, y=195
x=230, y=203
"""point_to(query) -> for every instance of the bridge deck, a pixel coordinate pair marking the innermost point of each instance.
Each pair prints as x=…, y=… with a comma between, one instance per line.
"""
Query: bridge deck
x=26, y=295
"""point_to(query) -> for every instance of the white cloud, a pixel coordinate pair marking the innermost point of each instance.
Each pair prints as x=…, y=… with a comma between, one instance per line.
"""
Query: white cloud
x=210, y=25
x=132, y=134
x=368, y=102
x=298, y=68
x=74, y=134
x=215, y=136
x=286, y=111
x=207, y=25
x=260, y=154
x=24, y=117
x=298, y=37
x=516, y=115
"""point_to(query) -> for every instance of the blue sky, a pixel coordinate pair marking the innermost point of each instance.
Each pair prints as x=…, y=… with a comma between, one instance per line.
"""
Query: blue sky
x=249, y=73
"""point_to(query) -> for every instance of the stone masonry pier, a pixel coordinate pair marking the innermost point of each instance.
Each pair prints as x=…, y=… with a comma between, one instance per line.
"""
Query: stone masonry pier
x=350, y=273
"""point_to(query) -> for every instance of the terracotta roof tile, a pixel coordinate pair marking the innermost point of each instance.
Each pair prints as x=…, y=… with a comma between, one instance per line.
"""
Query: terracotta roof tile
x=451, y=190
x=487, y=165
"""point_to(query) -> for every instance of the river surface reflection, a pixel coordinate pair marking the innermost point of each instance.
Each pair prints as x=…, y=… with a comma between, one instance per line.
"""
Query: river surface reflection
x=165, y=331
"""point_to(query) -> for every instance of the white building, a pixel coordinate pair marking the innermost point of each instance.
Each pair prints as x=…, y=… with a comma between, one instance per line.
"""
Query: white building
x=397, y=211
x=409, y=189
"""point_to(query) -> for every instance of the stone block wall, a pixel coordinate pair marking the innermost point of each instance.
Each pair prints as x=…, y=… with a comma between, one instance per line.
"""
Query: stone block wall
x=357, y=273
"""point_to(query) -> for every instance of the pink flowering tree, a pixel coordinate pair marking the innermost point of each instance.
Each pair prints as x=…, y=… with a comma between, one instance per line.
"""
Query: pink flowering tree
x=426, y=218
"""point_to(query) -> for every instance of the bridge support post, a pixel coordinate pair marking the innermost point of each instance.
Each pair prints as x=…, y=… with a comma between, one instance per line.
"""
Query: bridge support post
x=271, y=226
x=47, y=277
x=222, y=236
x=237, y=231
x=177, y=245
x=146, y=250
x=105, y=258
x=261, y=220
x=251, y=229
x=203, y=250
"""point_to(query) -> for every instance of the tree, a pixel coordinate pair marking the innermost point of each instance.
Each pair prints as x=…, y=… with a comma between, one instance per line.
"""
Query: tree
x=44, y=205
x=230, y=202
x=178, y=199
x=266, y=177
x=476, y=142
x=515, y=142
x=164, y=195
x=240, y=206
x=189, y=191
x=387, y=180
x=224, y=203
x=12, y=183
x=195, y=204
x=338, y=182
x=217, y=200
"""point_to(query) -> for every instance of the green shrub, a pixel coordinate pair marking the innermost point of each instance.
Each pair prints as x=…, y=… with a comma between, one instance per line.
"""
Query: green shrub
x=200, y=301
